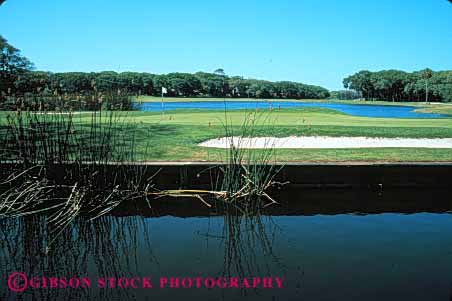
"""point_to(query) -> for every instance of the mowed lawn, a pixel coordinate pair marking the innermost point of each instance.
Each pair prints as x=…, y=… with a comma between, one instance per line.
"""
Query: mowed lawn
x=174, y=136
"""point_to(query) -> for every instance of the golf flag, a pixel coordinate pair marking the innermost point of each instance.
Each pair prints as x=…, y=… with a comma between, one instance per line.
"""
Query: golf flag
x=164, y=91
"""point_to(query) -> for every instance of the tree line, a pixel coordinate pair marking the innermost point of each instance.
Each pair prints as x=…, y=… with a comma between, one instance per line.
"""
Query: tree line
x=200, y=84
x=18, y=79
x=345, y=95
x=395, y=85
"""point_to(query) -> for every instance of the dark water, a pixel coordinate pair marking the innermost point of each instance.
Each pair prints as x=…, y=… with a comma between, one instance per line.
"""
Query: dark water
x=327, y=248
x=378, y=111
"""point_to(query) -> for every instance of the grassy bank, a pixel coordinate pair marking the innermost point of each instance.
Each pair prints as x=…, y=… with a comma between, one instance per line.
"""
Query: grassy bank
x=437, y=108
x=175, y=134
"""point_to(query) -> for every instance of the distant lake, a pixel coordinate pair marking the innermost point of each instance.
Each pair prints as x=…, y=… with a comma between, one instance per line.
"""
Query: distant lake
x=378, y=111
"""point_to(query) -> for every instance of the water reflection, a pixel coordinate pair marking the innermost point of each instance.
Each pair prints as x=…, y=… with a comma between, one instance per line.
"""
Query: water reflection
x=104, y=246
x=323, y=247
x=247, y=242
x=244, y=239
x=122, y=247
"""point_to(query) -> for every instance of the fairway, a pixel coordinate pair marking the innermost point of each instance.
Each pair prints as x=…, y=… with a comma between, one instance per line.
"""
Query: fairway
x=287, y=117
x=174, y=136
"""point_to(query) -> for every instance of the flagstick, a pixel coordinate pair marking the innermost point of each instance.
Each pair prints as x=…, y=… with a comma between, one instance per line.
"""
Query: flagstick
x=163, y=110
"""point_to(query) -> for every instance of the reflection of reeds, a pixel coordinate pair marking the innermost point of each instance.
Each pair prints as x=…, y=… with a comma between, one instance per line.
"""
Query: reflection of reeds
x=245, y=238
x=107, y=246
x=248, y=246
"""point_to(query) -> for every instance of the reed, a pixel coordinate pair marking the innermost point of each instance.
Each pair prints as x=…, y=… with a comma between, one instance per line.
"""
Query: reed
x=246, y=175
x=56, y=164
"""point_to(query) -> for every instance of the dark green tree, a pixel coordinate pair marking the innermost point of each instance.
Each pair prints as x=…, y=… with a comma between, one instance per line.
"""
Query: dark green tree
x=12, y=65
x=362, y=82
x=396, y=85
x=426, y=76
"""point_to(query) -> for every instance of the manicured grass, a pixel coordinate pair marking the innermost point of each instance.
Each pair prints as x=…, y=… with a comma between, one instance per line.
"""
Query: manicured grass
x=297, y=117
x=174, y=136
x=437, y=108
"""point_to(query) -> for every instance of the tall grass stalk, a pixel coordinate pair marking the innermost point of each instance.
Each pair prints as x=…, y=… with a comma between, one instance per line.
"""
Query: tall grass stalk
x=57, y=162
x=246, y=175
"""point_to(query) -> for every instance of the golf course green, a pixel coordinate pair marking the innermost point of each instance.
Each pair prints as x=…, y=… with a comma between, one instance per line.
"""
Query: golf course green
x=175, y=135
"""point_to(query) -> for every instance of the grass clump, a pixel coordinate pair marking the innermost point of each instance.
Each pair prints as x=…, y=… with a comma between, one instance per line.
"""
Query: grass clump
x=244, y=178
x=56, y=165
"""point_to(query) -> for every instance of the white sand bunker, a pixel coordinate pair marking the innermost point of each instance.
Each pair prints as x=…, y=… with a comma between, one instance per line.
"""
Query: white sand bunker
x=326, y=142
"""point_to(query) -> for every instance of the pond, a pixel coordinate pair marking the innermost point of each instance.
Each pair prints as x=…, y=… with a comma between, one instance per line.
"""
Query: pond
x=329, y=246
x=377, y=111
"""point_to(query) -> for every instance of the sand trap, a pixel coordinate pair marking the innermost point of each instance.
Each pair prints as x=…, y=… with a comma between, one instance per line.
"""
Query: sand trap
x=327, y=142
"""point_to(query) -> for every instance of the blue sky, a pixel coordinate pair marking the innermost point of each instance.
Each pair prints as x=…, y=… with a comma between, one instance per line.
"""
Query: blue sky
x=311, y=41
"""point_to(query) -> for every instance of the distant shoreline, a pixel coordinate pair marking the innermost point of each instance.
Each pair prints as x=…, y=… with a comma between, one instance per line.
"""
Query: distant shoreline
x=363, y=102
